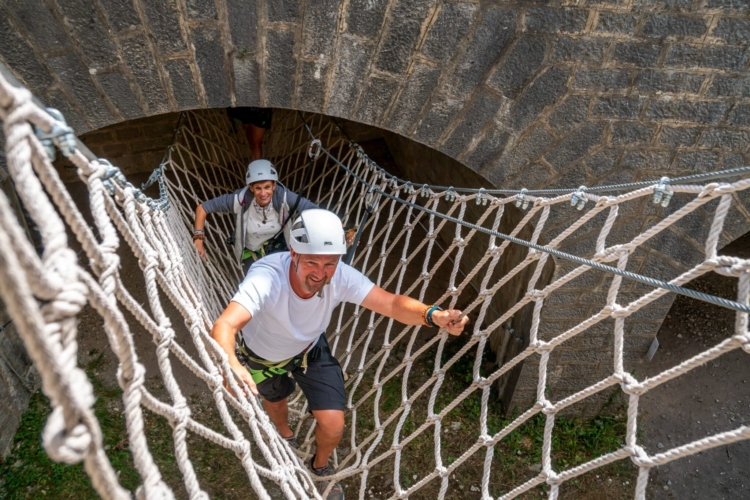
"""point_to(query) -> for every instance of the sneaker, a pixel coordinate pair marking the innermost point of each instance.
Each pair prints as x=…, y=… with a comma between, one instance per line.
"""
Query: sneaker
x=291, y=441
x=336, y=492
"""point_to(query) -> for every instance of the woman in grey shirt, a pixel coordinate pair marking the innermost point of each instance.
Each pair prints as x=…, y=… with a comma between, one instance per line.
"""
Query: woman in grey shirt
x=261, y=209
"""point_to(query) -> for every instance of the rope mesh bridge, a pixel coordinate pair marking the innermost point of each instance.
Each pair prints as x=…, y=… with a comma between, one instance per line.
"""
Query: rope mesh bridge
x=440, y=246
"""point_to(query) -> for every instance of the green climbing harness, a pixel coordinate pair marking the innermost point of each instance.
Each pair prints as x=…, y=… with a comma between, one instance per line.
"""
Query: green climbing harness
x=262, y=369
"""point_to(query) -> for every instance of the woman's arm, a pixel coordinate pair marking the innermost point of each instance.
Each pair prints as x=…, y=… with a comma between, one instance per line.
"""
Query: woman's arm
x=199, y=225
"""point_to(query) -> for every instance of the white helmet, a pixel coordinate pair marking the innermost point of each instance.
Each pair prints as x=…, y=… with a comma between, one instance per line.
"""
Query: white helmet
x=261, y=170
x=318, y=232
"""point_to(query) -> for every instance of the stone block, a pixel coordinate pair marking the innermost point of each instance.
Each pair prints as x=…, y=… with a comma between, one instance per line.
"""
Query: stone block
x=544, y=19
x=415, y=93
x=668, y=81
x=733, y=30
x=243, y=20
x=668, y=5
x=121, y=15
x=164, y=19
x=21, y=59
x=365, y=17
x=246, y=83
x=614, y=22
x=441, y=112
x=631, y=133
x=725, y=139
x=484, y=107
x=594, y=78
x=638, y=54
x=728, y=4
x=570, y=113
x=283, y=11
x=545, y=91
x=696, y=161
x=690, y=111
x=528, y=150
x=45, y=31
x=617, y=107
x=209, y=55
x=489, y=147
x=201, y=9
x=311, y=88
x=524, y=59
x=351, y=65
x=602, y=162
x=281, y=66
x=492, y=37
x=588, y=50
x=378, y=95
x=397, y=44
x=141, y=62
x=664, y=25
x=451, y=26
x=674, y=245
x=90, y=32
x=726, y=58
x=534, y=177
x=572, y=178
x=678, y=136
x=740, y=115
x=320, y=27
x=575, y=145
x=75, y=76
x=646, y=160
x=183, y=86
x=683, y=55
x=118, y=90
x=58, y=100
x=727, y=86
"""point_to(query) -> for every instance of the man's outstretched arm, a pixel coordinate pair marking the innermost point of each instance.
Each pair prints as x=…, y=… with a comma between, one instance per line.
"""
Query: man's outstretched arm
x=223, y=332
x=409, y=311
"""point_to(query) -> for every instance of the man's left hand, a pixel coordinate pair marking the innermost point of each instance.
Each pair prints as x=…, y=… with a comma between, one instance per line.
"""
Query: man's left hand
x=450, y=320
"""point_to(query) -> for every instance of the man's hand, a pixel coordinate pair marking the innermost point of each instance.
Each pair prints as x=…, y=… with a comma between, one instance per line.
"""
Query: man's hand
x=450, y=320
x=199, y=246
x=350, y=235
x=245, y=376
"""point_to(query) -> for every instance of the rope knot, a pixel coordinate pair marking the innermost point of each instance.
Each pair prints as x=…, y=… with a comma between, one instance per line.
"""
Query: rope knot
x=442, y=471
x=535, y=294
x=460, y=242
x=617, y=311
x=62, y=445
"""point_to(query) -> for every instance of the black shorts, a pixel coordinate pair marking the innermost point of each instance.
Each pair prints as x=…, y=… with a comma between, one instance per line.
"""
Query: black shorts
x=322, y=383
x=260, y=117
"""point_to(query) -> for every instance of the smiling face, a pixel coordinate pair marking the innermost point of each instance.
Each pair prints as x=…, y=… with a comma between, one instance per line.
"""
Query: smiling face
x=310, y=273
x=263, y=192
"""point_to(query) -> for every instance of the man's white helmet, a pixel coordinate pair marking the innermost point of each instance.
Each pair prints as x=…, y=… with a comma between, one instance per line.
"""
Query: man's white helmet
x=261, y=170
x=318, y=232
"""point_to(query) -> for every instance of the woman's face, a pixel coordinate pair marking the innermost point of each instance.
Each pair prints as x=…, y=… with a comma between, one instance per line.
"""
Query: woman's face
x=263, y=191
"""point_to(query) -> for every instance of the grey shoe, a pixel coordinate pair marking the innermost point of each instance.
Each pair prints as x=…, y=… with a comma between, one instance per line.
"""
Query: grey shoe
x=336, y=492
x=292, y=441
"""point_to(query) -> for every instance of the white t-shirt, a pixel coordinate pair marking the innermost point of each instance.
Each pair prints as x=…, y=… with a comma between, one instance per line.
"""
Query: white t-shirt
x=284, y=324
x=256, y=231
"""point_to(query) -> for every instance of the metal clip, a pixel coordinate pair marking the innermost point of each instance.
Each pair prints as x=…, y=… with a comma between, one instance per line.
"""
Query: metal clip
x=408, y=188
x=424, y=191
x=61, y=135
x=579, y=199
x=521, y=201
x=481, y=200
x=450, y=195
x=662, y=193
x=315, y=143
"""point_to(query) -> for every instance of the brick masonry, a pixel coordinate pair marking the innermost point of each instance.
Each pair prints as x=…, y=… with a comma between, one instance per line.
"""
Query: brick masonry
x=526, y=94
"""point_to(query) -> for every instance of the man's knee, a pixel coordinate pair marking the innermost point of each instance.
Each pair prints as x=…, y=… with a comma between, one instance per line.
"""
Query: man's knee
x=330, y=421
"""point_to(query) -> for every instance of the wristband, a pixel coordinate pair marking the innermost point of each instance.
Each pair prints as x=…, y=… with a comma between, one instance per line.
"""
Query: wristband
x=197, y=231
x=198, y=236
x=428, y=315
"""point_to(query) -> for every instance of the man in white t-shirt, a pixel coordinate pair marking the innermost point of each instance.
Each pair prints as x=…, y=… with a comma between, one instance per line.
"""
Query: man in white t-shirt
x=283, y=308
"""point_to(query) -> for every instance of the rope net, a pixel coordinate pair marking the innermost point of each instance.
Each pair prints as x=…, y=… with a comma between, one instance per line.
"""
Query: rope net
x=439, y=246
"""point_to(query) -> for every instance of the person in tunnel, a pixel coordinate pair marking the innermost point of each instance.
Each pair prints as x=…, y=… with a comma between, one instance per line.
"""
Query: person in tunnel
x=281, y=312
x=261, y=209
x=255, y=122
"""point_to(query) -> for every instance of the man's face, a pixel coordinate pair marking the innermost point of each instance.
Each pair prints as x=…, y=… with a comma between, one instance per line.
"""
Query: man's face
x=263, y=191
x=314, y=271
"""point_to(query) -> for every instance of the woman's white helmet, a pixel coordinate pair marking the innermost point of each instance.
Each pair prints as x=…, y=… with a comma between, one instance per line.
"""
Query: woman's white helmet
x=261, y=170
x=318, y=232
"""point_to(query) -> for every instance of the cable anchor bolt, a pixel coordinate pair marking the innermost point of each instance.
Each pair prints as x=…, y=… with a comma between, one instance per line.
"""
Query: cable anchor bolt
x=662, y=193
x=61, y=135
x=579, y=199
x=521, y=201
x=315, y=143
